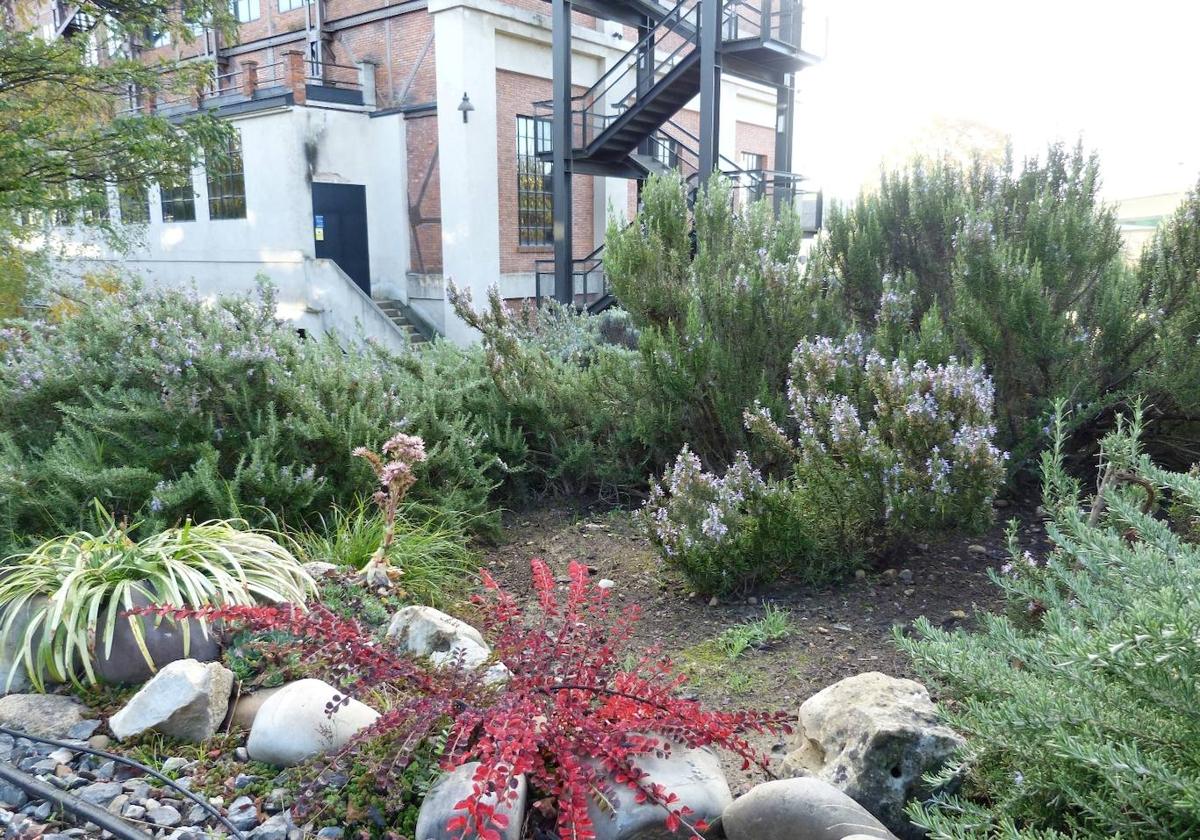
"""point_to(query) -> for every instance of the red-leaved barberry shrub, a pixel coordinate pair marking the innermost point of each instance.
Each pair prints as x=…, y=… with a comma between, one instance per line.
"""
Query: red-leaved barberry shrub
x=574, y=714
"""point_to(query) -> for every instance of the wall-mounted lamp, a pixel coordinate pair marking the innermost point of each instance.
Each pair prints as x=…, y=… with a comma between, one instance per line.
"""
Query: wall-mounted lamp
x=466, y=107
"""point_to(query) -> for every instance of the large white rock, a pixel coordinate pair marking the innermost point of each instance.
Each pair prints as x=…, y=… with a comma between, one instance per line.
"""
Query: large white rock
x=437, y=808
x=246, y=706
x=293, y=725
x=873, y=737
x=185, y=700
x=47, y=715
x=424, y=631
x=694, y=775
x=798, y=809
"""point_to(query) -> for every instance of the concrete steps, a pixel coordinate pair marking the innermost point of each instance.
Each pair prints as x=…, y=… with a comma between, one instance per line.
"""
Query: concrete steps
x=394, y=309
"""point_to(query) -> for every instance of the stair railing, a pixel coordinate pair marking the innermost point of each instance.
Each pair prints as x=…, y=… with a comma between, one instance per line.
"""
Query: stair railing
x=632, y=74
x=763, y=20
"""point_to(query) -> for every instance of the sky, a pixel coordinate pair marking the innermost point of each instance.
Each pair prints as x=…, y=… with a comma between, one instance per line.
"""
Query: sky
x=900, y=76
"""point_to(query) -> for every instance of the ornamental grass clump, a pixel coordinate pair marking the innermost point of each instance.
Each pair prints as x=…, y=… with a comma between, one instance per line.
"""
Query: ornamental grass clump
x=1079, y=705
x=66, y=595
x=575, y=714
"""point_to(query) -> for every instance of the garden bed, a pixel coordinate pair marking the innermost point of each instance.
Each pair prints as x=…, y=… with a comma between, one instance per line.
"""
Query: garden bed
x=836, y=631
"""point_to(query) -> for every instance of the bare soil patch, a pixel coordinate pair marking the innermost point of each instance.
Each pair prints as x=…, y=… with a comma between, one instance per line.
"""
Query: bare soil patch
x=836, y=631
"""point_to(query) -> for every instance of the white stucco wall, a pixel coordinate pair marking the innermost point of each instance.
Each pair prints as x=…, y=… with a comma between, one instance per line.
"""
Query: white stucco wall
x=284, y=151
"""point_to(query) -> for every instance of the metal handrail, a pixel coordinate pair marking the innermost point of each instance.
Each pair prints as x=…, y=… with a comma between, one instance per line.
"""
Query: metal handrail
x=674, y=22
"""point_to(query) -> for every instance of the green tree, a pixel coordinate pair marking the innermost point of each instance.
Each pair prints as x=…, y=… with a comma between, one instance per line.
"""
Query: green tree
x=66, y=133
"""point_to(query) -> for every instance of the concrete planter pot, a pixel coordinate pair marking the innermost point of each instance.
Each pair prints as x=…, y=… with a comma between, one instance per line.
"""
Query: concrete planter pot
x=125, y=664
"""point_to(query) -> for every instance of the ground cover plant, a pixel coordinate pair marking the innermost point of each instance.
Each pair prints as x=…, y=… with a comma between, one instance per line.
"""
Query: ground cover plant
x=573, y=715
x=430, y=545
x=1079, y=705
x=72, y=591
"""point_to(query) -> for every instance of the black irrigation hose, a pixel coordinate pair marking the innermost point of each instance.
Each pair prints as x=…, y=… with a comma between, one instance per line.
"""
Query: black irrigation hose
x=38, y=789
x=149, y=771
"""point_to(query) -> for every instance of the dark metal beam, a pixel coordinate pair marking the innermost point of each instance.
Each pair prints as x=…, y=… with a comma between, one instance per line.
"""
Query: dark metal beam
x=607, y=169
x=710, y=86
x=785, y=115
x=619, y=12
x=561, y=143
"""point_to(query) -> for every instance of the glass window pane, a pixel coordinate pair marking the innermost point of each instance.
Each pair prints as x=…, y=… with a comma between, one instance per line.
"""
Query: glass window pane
x=226, y=181
x=535, y=217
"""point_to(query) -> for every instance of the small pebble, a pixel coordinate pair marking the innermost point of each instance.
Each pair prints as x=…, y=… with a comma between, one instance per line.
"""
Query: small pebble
x=164, y=816
x=174, y=764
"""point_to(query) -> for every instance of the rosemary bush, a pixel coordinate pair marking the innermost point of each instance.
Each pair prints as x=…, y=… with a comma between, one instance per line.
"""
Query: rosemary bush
x=166, y=406
x=1079, y=706
x=718, y=317
x=1019, y=265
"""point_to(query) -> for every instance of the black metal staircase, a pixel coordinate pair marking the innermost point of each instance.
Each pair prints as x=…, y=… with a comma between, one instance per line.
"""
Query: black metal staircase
x=612, y=129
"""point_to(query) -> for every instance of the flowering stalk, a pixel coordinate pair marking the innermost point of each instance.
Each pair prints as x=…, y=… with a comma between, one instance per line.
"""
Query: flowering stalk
x=395, y=478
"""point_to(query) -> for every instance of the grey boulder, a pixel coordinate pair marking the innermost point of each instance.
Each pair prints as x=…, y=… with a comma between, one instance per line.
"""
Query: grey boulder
x=798, y=809
x=873, y=737
x=186, y=700
x=302, y=720
x=451, y=788
x=47, y=715
x=125, y=664
x=694, y=775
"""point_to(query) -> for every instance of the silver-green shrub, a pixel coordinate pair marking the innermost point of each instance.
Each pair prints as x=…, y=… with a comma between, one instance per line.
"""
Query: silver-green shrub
x=878, y=451
x=165, y=405
x=1080, y=706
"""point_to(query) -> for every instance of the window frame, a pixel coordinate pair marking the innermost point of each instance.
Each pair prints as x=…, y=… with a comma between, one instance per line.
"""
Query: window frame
x=225, y=176
x=127, y=201
x=253, y=10
x=293, y=5
x=173, y=194
x=758, y=159
x=666, y=151
x=535, y=206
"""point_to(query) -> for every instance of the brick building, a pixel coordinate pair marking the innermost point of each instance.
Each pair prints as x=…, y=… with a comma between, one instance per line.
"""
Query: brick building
x=384, y=148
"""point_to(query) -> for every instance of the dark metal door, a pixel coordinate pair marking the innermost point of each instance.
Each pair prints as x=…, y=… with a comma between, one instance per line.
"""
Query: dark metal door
x=340, y=229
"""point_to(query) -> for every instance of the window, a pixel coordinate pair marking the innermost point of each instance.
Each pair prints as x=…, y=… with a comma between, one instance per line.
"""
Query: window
x=60, y=207
x=178, y=200
x=91, y=50
x=288, y=5
x=134, y=203
x=666, y=150
x=94, y=201
x=535, y=217
x=226, y=181
x=246, y=10
x=158, y=37
x=753, y=162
